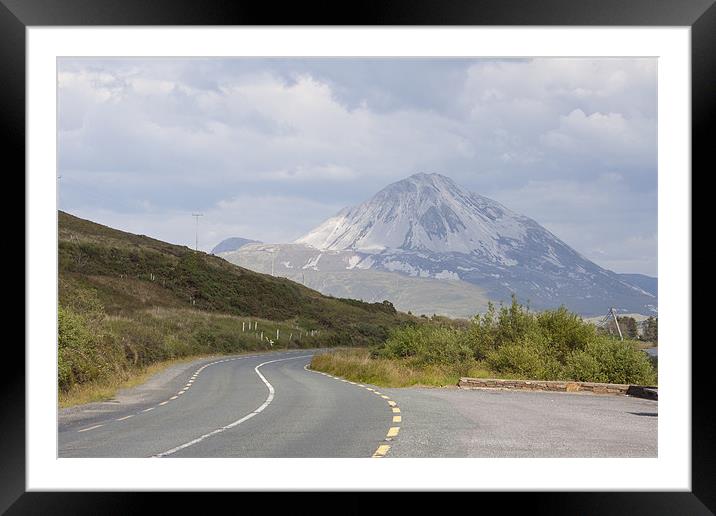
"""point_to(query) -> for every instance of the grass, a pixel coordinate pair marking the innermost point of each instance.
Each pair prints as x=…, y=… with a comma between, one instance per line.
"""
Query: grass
x=357, y=365
x=639, y=344
x=107, y=388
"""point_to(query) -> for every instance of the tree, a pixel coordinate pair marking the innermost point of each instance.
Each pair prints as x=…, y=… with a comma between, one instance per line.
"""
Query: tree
x=651, y=330
x=628, y=327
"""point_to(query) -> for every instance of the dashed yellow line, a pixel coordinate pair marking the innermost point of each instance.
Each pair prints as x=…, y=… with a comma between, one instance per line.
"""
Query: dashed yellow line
x=381, y=451
x=393, y=431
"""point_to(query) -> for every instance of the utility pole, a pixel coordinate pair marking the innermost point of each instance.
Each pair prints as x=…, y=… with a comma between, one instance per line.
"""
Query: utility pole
x=57, y=199
x=614, y=315
x=196, y=216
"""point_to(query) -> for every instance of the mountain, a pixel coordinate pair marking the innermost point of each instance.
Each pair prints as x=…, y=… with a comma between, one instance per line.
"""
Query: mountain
x=649, y=284
x=342, y=274
x=232, y=244
x=428, y=226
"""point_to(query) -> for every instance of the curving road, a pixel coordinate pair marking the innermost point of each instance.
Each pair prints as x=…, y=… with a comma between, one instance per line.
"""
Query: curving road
x=270, y=405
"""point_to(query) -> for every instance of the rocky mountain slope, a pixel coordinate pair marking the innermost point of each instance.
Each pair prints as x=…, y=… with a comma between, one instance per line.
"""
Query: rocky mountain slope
x=427, y=226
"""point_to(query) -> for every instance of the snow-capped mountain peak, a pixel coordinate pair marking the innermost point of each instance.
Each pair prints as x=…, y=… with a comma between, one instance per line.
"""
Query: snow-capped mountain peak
x=427, y=226
x=424, y=212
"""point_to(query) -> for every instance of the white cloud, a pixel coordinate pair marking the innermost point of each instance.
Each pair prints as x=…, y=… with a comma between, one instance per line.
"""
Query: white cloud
x=182, y=135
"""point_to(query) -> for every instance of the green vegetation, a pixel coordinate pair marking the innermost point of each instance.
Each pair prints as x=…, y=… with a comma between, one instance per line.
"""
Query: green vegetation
x=127, y=302
x=511, y=342
x=358, y=364
x=651, y=330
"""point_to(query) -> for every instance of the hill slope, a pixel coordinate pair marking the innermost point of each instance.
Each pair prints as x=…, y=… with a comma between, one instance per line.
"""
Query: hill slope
x=131, y=273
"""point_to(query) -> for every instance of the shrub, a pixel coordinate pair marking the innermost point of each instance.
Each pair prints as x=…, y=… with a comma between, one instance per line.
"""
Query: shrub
x=425, y=344
x=516, y=360
x=512, y=341
x=82, y=354
x=611, y=361
x=565, y=331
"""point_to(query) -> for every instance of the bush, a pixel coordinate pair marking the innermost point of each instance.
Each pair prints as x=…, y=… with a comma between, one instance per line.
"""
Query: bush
x=565, y=331
x=611, y=361
x=516, y=360
x=82, y=355
x=426, y=345
x=512, y=341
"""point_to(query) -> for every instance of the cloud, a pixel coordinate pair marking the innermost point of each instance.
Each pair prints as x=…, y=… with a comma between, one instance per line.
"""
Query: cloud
x=159, y=138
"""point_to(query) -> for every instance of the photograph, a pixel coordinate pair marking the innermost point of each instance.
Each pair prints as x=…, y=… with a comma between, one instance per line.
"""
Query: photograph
x=357, y=257
x=417, y=249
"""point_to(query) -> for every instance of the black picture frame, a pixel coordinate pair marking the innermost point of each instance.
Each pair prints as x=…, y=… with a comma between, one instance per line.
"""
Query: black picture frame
x=700, y=15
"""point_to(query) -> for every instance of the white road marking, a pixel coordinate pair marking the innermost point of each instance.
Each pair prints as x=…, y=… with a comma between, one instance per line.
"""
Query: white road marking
x=260, y=409
x=148, y=409
x=164, y=402
x=125, y=417
x=90, y=428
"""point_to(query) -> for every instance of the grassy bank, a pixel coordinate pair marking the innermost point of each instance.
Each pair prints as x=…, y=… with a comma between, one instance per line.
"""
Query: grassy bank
x=358, y=365
x=99, y=353
x=510, y=343
x=106, y=388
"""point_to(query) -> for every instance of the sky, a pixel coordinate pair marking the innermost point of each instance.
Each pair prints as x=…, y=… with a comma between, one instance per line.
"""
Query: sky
x=269, y=148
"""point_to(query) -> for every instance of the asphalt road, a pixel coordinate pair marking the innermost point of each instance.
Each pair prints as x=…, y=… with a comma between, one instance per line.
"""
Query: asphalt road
x=270, y=405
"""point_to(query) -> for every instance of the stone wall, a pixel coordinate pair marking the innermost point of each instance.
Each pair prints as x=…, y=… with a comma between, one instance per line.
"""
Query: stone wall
x=559, y=386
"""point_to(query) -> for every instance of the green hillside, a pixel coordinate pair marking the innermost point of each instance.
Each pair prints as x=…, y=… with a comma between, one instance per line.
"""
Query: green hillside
x=128, y=300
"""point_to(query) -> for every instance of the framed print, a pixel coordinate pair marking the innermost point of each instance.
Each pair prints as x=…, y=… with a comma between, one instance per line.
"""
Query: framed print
x=418, y=249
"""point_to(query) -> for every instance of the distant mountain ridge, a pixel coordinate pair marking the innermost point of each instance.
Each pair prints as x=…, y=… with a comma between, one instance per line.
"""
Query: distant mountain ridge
x=342, y=274
x=648, y=283
x=232, y=244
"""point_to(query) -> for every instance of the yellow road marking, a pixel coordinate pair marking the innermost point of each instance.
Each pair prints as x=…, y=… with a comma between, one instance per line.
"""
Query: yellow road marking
x=396, y=410
x=393, y=431
x=392, y=403
x=381, y=451
x=397, y=419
